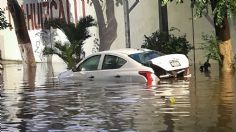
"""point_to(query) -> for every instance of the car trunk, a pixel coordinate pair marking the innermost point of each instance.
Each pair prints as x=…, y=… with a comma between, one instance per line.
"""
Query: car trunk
x=173, y=65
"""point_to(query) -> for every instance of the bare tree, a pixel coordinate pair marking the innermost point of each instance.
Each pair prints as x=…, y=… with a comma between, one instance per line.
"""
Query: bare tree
x=21, y=33
x=107, y=29
x=108, y=25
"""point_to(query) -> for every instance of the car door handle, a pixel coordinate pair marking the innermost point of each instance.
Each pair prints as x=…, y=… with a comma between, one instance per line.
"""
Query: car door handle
x=91, y=77
x=117, y=76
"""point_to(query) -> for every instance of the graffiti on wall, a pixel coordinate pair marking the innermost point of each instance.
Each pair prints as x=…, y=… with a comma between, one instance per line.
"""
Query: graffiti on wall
x=44, y=38
x=37, y=12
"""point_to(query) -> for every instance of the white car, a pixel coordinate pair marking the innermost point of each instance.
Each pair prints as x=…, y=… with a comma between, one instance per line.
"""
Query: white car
x=129, y=65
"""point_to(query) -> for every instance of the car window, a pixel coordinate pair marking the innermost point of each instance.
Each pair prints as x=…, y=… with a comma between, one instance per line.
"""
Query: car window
x=112, y=62
x=144, y=57
x=89, y=64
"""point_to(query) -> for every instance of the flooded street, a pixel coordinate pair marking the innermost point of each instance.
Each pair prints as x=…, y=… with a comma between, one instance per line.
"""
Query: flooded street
x=37, y=101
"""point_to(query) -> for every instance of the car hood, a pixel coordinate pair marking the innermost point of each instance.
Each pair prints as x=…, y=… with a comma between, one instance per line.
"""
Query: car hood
x=171, y=62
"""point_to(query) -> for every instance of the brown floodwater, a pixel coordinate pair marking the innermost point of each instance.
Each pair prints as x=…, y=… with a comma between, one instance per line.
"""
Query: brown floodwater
x=36, y=100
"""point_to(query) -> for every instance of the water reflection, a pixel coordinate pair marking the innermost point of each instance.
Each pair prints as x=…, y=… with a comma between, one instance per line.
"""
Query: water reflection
x=36, y=101
x=226, y=100
x=214, y=101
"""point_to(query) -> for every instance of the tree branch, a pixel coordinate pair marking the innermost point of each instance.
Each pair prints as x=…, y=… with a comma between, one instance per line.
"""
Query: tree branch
x=132, y=7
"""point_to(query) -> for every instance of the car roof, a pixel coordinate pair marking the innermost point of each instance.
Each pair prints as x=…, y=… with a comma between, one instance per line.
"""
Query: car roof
x=126, y=51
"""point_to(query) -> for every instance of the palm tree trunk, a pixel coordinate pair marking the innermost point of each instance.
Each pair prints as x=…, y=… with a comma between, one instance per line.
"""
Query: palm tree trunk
x=21, y=33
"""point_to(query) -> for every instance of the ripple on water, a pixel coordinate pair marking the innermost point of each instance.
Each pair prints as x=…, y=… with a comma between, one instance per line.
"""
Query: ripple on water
x=208, y=104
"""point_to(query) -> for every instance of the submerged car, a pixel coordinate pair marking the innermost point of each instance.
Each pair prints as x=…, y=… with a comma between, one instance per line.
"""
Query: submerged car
x=130, y=65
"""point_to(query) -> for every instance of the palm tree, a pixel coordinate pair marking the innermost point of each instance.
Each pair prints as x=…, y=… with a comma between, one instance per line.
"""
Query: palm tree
x=76, y=34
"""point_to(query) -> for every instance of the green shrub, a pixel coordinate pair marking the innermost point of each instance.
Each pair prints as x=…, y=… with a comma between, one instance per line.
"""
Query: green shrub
x=167, y=43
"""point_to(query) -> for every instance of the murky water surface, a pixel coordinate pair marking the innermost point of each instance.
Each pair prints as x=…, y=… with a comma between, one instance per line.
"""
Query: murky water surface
x=38, y=101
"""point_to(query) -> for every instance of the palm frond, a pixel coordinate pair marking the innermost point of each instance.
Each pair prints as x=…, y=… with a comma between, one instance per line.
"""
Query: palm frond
x=3, y=22
x=53, y=51
x=48, y=51
x=76, y=34
x=67, y=28
x=82, y=32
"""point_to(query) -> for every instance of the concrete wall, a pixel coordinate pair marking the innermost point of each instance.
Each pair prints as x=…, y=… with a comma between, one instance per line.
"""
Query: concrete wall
x=143, y=21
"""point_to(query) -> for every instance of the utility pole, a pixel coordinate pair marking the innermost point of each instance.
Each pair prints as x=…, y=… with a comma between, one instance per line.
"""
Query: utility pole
x=127, y=23
x=193, y=37
x=127, y=10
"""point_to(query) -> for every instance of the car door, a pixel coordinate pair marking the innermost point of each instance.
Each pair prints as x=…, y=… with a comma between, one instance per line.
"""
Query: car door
x=88, y=69
x=111, y=69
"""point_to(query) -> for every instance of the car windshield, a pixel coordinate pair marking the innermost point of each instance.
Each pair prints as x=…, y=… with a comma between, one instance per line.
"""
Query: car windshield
x=144, y=57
